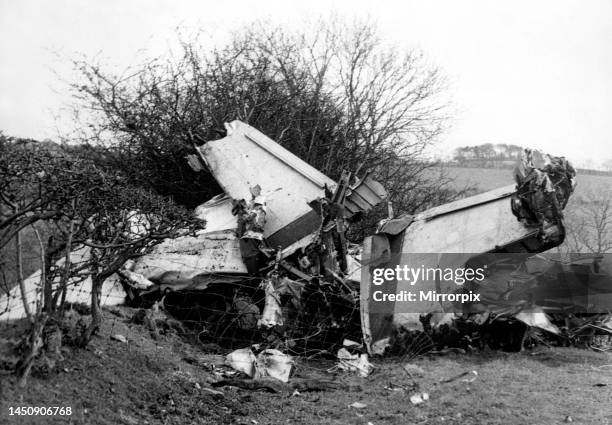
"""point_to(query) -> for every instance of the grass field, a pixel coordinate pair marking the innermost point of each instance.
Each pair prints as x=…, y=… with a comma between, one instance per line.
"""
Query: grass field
x=484, y=179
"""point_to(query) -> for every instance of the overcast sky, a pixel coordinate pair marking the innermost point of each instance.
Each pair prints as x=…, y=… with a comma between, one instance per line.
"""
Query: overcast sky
x=535, y=73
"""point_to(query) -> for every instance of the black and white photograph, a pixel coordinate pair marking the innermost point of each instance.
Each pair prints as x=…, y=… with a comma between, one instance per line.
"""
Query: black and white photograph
x=323, y=212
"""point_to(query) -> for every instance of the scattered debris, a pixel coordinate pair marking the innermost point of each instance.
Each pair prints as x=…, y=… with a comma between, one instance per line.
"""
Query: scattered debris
x=136, y=280
x=363, y=196
x=272, y=314
x=251, y=220
x=413, y=370
x=358, y=405
x=274, y=364
x=535, y=317
x=212, y=391
x=419, y=398
x=352, y=345
x=242, y=360
x=472, y=373
x=416, y=399
x=544, y=185
x=120, y=338
x=472, y=379
x=268, y=363
x=354, y=362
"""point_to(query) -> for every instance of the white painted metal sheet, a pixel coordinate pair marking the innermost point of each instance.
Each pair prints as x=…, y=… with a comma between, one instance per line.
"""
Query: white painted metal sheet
x=246, y=158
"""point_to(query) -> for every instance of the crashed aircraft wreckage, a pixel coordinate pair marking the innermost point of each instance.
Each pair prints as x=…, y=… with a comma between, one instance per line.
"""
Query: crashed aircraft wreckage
x=278, y=232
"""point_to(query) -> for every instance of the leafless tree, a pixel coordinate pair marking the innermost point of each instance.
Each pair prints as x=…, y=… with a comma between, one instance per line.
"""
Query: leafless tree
x=31, y=191
x=589, y=222
x=84, y=209
x=117, y=222
x=336, y=95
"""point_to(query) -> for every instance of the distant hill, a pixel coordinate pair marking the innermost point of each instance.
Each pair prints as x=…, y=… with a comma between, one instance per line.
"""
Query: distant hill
x=502, y=155
x=509, y=165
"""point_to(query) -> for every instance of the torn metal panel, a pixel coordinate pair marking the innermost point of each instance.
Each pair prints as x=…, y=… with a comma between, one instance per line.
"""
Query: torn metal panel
x=217, y=213
x=194, y=262
x=544, y=184
x=188, y=260
x=272, y=314
x=479, y=223
x=295, y=231
x=494, y=195
x=268, y=363
x=357, y=362
x=135, y=280
x=395, y=226
x=364, y=196
x=246, y=158
x=353, y=267
x=536, y=317
x=300, y=244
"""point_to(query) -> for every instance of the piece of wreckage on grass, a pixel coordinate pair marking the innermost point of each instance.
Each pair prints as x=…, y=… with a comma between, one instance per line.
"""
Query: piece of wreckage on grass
x=273, y=262
x=497, y=232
